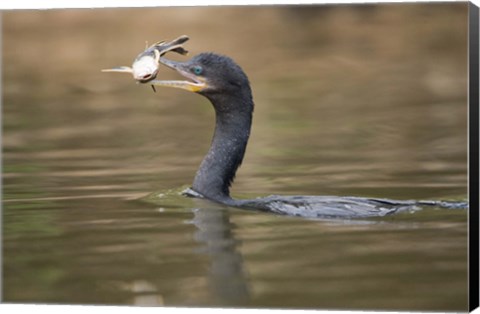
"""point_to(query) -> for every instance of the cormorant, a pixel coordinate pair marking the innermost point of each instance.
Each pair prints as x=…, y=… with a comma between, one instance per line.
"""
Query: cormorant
x=225, y=84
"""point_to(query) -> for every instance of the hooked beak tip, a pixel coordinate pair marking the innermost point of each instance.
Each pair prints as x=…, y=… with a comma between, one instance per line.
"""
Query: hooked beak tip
x=169, y=63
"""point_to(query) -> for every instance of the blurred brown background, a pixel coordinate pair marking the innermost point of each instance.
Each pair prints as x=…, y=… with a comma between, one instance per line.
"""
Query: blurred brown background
x=365, y=100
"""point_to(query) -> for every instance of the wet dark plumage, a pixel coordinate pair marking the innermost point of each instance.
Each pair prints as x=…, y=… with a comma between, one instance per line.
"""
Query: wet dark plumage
x=228, y=89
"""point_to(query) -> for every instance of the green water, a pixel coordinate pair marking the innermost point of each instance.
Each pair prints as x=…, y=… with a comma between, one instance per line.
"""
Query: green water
x=350, y=100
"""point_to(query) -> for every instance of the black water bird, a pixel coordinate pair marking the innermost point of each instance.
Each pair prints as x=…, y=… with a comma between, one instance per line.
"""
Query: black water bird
x=225, y=84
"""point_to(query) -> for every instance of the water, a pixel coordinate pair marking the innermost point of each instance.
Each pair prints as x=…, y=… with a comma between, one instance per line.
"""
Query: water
x=350, y=100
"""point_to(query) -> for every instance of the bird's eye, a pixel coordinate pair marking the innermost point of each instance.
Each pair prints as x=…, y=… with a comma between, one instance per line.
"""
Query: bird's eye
x=197, y=70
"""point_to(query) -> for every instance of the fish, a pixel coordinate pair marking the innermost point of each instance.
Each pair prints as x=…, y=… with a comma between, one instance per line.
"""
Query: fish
x=146, y=65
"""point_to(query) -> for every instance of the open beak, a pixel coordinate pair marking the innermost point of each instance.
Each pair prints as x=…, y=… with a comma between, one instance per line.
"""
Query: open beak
x=193, y=83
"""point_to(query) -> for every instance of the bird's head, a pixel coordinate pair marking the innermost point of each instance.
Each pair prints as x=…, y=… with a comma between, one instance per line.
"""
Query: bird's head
x=208, y=74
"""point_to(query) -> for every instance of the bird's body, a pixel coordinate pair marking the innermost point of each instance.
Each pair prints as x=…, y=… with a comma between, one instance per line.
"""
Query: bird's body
x=227, y=87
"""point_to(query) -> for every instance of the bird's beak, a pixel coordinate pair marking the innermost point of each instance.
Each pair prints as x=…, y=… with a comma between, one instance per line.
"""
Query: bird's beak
x=194, y=84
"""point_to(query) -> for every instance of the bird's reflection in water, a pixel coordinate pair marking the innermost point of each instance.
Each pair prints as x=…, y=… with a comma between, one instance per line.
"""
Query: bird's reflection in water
x=227, y=278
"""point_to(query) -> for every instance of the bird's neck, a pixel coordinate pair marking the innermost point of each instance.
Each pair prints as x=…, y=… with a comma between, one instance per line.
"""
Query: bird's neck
x=232, y=129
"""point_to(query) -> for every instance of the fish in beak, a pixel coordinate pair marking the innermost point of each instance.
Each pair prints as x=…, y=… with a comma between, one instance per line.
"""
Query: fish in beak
x=146, y=64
